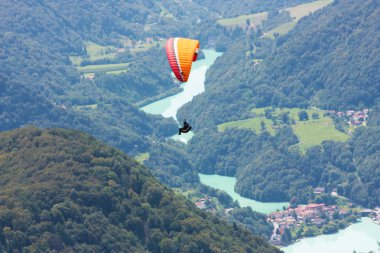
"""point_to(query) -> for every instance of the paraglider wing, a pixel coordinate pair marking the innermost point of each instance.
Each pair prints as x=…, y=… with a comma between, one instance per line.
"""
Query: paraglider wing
x=181, y=53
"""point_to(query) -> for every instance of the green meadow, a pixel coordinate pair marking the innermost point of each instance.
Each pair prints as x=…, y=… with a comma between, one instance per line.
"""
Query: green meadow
x=281, y=30
x=104, y=68
x=95, y=52
x=255, y=19
x=302, y=10
x=310, y=132
x=297, y=12
x=98, y=52
x=92, y=106
x=253, y=123
x=313, y=132
x=142, y=157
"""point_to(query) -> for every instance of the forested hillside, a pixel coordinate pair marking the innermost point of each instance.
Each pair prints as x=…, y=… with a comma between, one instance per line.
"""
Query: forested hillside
x=40, y=86
x=271, y=168
x=329, y=60
x=61, y=190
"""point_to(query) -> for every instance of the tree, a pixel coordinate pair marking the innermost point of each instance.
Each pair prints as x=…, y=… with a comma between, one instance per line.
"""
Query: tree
x=284, y=117
x=262, y=126
x=167, y=245
x=315, y=115
x=268, y=113
x=293, y=202
x=286, y=236
x=303, y=116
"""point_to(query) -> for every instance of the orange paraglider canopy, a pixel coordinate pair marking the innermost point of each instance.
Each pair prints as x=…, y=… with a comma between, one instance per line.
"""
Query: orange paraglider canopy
x=181, y=54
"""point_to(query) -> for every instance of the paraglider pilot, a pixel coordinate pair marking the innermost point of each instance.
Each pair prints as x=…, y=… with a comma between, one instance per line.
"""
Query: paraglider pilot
x=185, y=129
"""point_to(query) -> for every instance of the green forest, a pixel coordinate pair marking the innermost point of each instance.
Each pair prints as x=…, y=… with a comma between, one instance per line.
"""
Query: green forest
x=62, y=190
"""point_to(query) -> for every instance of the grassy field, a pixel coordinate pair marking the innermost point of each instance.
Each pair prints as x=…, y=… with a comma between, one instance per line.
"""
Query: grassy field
x=314, y=132
x=94, y=52
x=254, y=124
x=103, y=68
x=93, y=106
x=297, y=12
x=142, y=157
x=310, y=133
x=255, y=19
x=281, y=30
x=302, y=10
x=116, y=72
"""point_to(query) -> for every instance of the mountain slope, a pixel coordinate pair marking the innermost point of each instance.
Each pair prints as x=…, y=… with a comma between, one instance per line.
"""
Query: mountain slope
x=39, y=84
x=61, y=190
x=329, y=60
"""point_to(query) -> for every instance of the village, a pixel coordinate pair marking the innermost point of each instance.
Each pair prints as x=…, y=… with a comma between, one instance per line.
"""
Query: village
x=305, y=220
x=351, y=117
x=315, y=215
x=311, y=214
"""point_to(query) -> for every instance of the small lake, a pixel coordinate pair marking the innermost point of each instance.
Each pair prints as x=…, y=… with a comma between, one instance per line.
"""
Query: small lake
x=362, y=237
x=227, y=184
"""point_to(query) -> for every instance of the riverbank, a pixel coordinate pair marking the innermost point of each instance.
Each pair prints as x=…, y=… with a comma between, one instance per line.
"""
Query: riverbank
x=317, y=219
x=227, y=184
x=309, y=221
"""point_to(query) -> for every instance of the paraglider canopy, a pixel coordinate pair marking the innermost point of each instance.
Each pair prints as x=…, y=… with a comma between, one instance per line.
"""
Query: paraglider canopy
x=181, y=54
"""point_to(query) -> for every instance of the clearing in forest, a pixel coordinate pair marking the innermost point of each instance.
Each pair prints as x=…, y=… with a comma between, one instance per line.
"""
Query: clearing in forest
x=296, y=13
x=311, y=132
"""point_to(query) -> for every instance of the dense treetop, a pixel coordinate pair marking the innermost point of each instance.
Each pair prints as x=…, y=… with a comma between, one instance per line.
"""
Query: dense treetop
x=61, y=190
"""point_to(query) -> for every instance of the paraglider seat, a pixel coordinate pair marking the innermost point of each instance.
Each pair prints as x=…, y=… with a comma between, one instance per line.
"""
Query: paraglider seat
x=185, y=129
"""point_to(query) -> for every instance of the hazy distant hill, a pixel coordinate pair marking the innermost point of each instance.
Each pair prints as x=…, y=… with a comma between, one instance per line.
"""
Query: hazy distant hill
x=61, y=190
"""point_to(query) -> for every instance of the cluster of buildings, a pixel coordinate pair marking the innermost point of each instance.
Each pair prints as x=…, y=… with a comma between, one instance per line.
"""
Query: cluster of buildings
x=316, y=214
x=373, y=213
x=354, y=118
x=203, y=203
